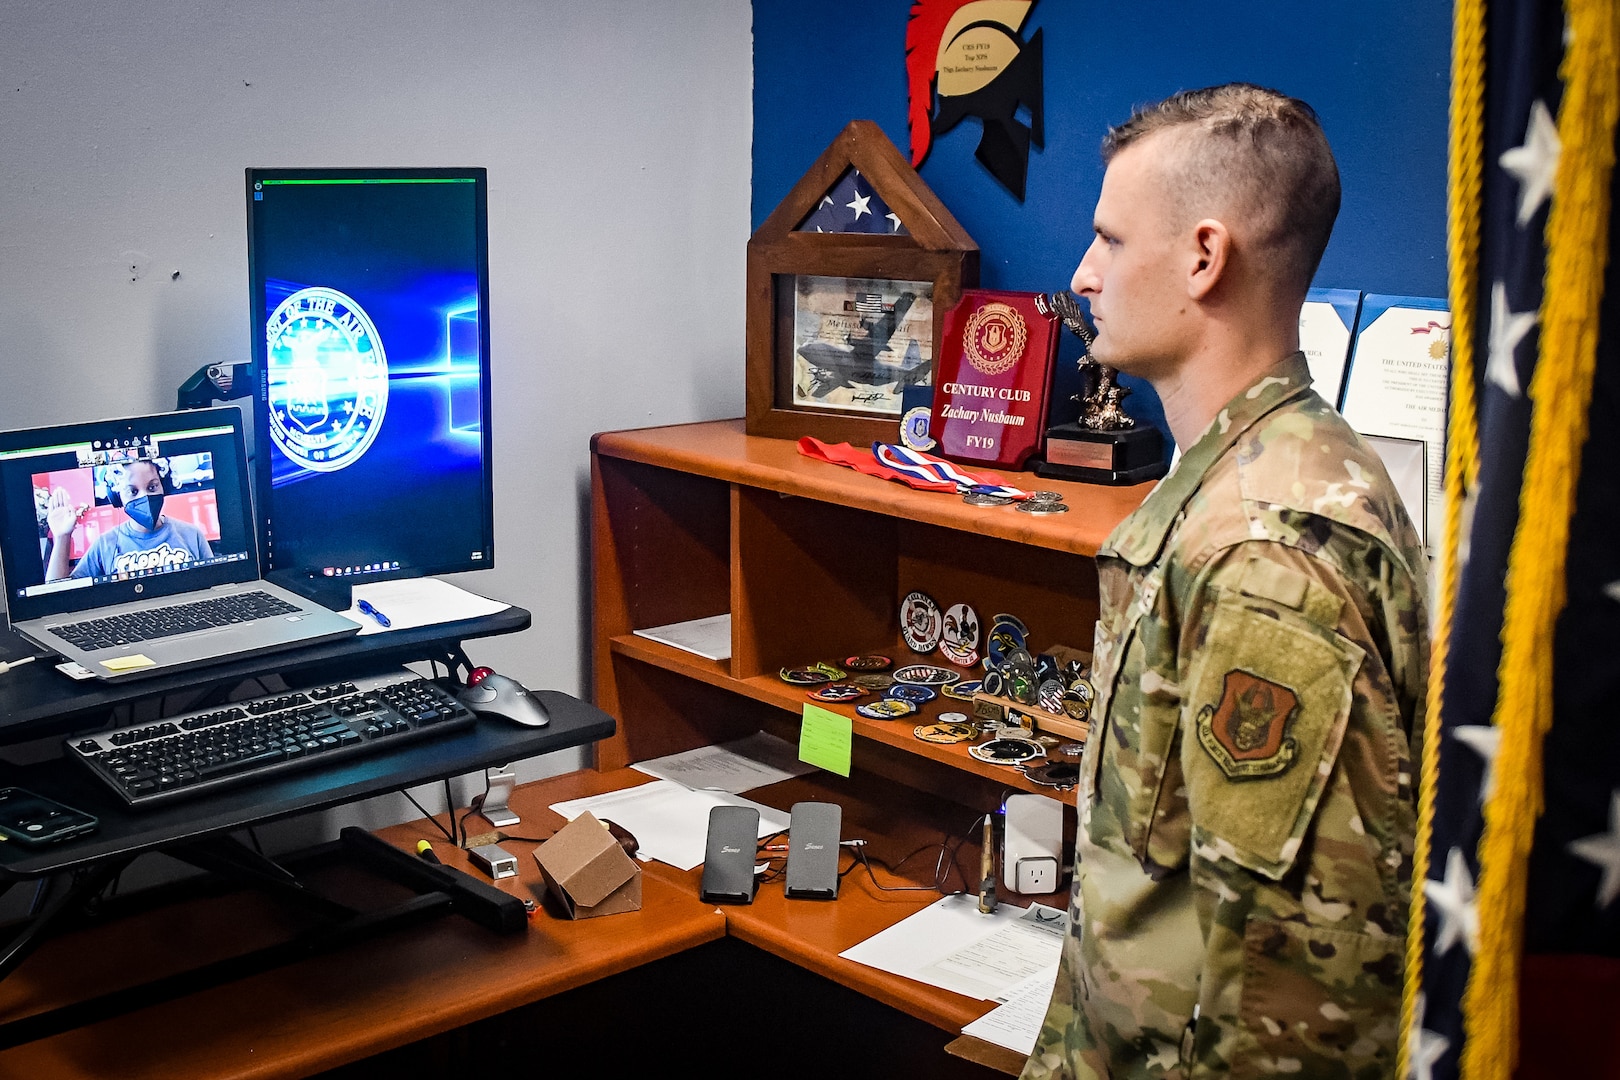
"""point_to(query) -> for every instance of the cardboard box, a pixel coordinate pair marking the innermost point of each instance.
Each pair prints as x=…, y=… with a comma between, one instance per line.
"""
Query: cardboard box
x=587, y=870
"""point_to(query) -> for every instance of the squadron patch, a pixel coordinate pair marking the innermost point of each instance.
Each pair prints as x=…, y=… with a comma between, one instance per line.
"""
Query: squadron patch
x=1247, y=731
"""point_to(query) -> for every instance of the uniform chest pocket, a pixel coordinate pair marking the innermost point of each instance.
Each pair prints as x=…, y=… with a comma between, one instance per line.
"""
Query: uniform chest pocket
x=1131, y=771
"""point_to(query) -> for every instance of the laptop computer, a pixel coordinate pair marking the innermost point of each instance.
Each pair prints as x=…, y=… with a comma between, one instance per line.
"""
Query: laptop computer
x=114, y=535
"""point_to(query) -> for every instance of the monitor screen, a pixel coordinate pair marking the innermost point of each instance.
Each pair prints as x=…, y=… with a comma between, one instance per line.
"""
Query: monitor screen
x=370, y=309
x=100, y=513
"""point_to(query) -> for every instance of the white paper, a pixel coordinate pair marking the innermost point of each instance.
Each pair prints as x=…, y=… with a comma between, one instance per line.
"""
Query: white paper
x=424, y=601
x=1016, y=1023
x=710, y=637
x=740, y=765
x=952, y=945
x=1325, y=341
x=669, y=821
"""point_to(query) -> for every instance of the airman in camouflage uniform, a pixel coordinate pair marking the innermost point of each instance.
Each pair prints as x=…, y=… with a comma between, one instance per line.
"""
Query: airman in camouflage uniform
x=1246, y=807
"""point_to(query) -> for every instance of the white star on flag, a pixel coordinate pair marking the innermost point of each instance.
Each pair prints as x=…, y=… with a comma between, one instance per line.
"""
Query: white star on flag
x=1603, y=851
x=1465, y=533
x=1484, y=740
x=1424, y=1048
x=1453, y=900
x=1534, y=163
x=1507, y=330
x=894, y=217
x=859, y=205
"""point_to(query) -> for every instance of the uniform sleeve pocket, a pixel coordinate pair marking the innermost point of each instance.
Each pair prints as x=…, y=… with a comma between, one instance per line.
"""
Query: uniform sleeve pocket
x=1270, y=695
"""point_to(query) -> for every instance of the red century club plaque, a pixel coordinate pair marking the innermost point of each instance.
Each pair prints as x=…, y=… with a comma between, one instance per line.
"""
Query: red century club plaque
x=992, y=378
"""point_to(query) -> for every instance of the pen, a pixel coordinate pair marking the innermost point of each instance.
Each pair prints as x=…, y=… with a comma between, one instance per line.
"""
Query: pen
x=366, y=609
x=424, y=850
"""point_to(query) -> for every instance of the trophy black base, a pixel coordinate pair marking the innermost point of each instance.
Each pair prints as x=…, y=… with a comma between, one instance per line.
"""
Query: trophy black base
x=1132, y=456
x=334, y=594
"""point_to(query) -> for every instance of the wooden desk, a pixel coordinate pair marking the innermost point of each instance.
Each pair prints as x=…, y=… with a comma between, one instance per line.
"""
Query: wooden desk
x=378, y=995
x=812, y=933
x=331, y=1009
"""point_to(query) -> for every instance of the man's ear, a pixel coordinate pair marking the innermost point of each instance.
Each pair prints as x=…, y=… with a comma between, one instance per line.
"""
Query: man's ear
x=1212, y=246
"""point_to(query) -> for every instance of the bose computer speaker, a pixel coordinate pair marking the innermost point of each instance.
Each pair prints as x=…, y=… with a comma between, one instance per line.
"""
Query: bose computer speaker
x=728, y=863
x=812, y=866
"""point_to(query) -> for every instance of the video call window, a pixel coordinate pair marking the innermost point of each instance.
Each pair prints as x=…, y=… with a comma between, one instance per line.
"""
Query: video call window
x=124, y=513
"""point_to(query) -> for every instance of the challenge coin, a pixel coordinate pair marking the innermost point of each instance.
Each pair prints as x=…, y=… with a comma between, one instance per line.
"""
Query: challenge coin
x=944, y=731
x=1005, y=619
x=1007, y=751
x=921, y=622
x=959, y=641
x=915, y=693
x=1057, y=774
x=874, y=681
x=926, y=675
x=887, y=709
x=837, y=692
x=804, y=676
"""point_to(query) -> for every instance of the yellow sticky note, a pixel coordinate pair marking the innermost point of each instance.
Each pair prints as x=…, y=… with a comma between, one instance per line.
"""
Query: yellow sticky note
x=130, y=663
x=825, y=738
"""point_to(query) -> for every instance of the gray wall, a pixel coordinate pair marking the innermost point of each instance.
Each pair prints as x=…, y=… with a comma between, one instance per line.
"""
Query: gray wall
x=616, y=134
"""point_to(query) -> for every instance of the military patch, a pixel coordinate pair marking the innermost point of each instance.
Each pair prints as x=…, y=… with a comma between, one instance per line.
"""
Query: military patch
x=1246, y=732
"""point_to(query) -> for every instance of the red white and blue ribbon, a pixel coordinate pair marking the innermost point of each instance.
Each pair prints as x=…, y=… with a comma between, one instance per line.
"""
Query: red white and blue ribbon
x=938, y=471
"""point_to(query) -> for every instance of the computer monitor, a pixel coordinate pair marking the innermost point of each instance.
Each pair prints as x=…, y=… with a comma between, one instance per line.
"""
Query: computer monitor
x=370, y=329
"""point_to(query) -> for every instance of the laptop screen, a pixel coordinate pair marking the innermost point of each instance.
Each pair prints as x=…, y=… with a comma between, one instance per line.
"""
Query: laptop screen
x=103, y=513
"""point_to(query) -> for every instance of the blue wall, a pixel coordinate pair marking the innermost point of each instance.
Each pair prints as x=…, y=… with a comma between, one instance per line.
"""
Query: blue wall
x=1376, y=71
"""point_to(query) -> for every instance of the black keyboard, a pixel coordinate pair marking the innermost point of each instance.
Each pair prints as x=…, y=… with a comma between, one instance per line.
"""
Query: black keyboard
x=162, y=622
x=202, y=751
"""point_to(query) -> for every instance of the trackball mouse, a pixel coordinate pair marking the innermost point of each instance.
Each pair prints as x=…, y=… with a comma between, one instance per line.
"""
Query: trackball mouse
x=489, y=693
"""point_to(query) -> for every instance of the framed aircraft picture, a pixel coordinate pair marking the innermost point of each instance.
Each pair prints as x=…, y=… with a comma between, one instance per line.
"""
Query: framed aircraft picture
x=848, y=283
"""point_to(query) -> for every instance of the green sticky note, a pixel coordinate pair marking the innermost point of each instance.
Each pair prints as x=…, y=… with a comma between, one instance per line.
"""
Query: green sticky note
x=824, y=739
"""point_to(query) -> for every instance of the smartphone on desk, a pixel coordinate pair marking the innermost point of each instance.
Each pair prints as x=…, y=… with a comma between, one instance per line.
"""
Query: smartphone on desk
x=36, y=821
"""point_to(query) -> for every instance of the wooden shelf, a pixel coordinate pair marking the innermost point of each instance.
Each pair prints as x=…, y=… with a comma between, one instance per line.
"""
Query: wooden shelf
x=719, y=450
x=812, y=561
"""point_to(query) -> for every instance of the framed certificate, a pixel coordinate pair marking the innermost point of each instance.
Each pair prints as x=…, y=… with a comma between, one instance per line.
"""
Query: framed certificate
x=1400, y=375
x=1327, y=325
x=849, y=280
x=1405, y=461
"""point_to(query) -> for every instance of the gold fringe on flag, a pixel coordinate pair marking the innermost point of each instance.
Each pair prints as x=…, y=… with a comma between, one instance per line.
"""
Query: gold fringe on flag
x=1464, y=207
x=1560, y=392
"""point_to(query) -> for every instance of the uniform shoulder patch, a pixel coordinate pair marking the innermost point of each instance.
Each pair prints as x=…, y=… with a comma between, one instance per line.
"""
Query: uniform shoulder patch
x=1247, y=731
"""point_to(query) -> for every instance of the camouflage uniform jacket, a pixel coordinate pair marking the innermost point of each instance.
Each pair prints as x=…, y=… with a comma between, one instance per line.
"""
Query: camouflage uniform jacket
x=1246, y=807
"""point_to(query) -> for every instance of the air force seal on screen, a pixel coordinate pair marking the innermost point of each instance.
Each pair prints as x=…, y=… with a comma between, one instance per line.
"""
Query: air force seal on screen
x=328, y=379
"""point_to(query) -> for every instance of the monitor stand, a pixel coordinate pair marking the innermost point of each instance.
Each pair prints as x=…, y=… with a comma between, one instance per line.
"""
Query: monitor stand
x=336, y=594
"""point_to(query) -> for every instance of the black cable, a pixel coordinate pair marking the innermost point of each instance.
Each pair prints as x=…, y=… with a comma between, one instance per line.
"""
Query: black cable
x=473, y=807
x=456, y=833
x=448, y=834
x=942, y=868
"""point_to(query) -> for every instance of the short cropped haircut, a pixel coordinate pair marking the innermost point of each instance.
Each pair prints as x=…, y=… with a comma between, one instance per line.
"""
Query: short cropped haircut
x=1254, y=151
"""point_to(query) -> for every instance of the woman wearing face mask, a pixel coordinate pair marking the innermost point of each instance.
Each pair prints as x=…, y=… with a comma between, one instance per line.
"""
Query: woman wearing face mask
x=149, y=540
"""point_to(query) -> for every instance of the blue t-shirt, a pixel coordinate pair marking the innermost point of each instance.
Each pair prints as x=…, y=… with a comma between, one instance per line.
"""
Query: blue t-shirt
x=126, y=549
